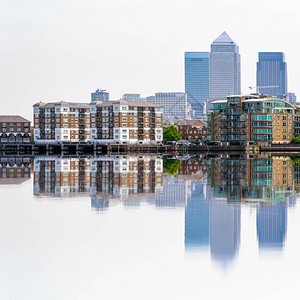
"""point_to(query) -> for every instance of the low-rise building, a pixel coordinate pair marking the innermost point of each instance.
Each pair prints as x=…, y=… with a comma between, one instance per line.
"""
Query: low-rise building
x=251, y=118
x=191, y=130
x=14, y=129
x=118, y=121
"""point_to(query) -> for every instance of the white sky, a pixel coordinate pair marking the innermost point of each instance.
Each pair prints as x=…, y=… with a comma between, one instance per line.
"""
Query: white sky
x=63, y=50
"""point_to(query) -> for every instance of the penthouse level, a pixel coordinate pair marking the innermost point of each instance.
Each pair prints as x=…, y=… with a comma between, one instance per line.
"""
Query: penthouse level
x=119, y=121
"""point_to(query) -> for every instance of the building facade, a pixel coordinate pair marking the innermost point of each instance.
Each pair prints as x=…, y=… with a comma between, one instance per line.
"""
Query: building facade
x=175, y=105
x=61, y=122
x=271, y=74
x=14, y=129
x=196, y=67
x=126, y=121
x=191, y=130
x=100, y=95
x=118, y=121
x=251, y=118
x=225, y=67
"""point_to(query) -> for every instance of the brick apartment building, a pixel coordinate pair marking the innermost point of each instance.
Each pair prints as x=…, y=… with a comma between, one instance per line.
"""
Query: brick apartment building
x=118, y=121
x=126, y=121
x=191, y=130
x=14, y=129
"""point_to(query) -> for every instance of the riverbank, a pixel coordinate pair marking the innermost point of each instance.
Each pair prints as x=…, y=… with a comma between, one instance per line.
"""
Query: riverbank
x=88, y=148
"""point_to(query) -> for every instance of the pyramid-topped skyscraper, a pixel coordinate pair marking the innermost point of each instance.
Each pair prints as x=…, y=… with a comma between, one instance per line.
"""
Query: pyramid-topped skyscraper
x=225, y=67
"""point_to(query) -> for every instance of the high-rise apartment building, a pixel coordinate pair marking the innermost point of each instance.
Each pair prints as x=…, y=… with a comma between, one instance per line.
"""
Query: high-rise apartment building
x=175, y=105
x=271, y=74
x=225, y=67
x=100, y=95
x=197, y=81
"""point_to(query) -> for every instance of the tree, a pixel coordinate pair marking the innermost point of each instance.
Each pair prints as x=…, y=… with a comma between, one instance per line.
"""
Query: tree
x=295, y=140
x=171, y=166
x=171, y=134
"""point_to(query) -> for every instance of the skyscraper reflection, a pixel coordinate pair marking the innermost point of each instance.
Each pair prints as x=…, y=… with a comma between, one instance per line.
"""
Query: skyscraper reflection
x=271, y=223
x=197, y=218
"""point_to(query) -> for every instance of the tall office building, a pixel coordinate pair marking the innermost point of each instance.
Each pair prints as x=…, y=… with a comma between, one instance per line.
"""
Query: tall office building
x=271, y=74
x=131, y=97
x=100, y=95
x=197, y=81
x=291, y=97
x=225, y=67
x=175, y=105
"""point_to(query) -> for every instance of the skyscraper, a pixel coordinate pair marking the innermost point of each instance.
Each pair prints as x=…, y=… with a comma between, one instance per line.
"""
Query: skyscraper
x=197, y=80
x=271, y=74
x=225, y=67
x=100, y=95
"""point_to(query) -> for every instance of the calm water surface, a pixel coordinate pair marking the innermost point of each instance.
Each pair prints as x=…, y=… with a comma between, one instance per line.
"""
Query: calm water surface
x=149, y=228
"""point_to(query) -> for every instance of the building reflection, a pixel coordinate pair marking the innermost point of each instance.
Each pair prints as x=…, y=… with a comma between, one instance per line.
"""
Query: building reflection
x=271, y=224
x=107, y=180
x=267, y=183
x=14, y=170
x=212, y=191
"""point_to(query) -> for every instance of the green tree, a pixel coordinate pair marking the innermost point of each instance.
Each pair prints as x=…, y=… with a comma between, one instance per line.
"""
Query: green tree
x=171, y=134
x=171, y=166
x=295, y=140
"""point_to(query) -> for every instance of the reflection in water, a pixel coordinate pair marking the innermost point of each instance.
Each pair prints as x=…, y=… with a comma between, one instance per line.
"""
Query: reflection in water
x=271, y=222
x=211, y=190
x=197, y=217
x=225, y=224
x=14, y=170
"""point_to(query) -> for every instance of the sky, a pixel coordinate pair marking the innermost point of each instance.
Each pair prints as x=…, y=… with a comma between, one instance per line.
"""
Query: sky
x=64, y=50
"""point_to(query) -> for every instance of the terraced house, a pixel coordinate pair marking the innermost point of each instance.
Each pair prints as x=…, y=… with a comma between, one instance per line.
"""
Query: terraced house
x=118, y=121
x=252, y=118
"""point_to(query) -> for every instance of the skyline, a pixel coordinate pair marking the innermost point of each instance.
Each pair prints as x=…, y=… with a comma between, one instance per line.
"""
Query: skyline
x=58, y=51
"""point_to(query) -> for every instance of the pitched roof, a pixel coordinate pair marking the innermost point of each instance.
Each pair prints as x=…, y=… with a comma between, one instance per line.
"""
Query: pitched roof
x=190, y=122
x=62, y=103
x=13, y=119
x=224, y=38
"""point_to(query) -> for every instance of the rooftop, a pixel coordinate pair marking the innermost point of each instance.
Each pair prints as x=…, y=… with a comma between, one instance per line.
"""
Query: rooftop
x=189, y=122
x=224, y=38
x=13, y=119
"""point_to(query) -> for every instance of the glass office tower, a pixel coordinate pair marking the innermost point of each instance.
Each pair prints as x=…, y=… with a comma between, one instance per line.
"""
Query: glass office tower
x=225, y=67
x=197, y=81
x=271, y=74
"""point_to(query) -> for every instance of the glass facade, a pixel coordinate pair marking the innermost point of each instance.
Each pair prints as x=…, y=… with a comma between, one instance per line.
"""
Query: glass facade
x=225, y=67
x=197, y=80
x=271, y=74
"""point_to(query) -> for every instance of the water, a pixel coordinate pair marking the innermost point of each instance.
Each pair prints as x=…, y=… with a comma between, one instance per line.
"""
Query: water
x=149, y=228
